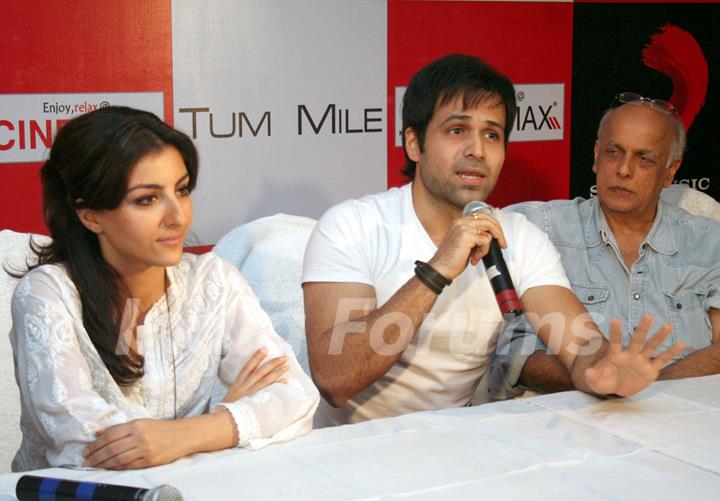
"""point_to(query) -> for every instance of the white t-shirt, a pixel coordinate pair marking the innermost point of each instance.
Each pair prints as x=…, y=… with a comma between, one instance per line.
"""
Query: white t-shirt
x=375, y=241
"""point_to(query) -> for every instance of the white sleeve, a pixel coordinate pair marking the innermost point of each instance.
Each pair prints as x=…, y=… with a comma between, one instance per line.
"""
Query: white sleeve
x=280, y=411
x=337, y=249
x=55, y=379
x=536, y=260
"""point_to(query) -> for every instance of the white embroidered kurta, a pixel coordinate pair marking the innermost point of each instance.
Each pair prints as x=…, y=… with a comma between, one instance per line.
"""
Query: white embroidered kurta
x=215, y=326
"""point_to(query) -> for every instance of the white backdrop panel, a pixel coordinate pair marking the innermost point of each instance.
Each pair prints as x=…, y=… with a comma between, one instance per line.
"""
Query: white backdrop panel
x=257, y=70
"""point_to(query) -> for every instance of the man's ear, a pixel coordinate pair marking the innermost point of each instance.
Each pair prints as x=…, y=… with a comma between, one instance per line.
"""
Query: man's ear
x=89, y=219
x=670, y=175
x=595, y=155
x=412, y=144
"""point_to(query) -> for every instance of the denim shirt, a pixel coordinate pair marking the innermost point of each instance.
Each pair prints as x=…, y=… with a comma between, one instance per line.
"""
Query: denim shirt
x=676, y=276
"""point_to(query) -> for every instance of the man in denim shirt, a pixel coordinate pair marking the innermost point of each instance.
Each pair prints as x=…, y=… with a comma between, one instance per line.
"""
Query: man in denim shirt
x=626, y=252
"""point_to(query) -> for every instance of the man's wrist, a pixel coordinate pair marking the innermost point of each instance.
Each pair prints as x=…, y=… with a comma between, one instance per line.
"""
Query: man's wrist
x=432, y=278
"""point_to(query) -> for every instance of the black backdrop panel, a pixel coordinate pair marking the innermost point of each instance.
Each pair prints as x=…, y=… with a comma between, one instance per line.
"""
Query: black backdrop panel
x=608, y=43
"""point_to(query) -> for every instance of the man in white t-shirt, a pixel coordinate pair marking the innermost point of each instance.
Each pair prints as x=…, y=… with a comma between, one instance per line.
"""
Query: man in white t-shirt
x=399, y=316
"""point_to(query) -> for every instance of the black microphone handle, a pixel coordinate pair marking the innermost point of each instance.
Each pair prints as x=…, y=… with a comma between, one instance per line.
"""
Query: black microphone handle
x=496, y=269
x=501, y=282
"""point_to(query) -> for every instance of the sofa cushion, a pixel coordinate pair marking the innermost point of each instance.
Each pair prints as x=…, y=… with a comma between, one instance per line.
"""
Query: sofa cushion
x=15, y=252
x=269, y=253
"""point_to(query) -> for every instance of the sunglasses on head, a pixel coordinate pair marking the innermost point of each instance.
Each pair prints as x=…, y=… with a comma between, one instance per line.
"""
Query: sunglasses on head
x=637, y=99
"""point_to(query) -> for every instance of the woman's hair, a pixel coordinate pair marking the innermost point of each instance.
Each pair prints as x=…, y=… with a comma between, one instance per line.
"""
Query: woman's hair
x=89, y=166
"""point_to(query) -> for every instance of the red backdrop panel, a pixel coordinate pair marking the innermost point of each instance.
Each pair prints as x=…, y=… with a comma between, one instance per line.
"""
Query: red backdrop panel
x=645, y=1
x=80, y=46
x=529, y=42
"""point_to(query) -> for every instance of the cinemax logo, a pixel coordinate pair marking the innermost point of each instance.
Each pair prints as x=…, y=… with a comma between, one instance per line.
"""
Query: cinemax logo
x=29, y=122
x=540, y=112
x=541, y=108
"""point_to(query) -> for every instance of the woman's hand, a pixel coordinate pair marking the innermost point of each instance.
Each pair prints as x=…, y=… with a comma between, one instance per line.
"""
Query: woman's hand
x=151, y=442
x=136, y=444
x=254, y=377
x=143, y=443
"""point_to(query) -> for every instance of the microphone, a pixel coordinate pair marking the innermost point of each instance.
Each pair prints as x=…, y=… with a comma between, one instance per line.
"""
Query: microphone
x=497, y=271
x=31, y=487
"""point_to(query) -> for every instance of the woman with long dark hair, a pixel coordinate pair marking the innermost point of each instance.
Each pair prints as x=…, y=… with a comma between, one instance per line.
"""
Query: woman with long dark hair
x=128, y=352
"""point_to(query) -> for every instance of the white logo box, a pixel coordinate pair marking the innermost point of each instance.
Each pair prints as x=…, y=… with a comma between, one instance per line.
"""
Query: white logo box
x=29, y=122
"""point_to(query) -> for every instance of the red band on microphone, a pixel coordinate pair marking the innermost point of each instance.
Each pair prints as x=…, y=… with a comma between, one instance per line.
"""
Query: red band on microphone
x=508, y=301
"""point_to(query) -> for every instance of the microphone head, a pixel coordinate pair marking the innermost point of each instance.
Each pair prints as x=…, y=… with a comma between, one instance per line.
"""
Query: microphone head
x=163, y=493
x=477, y=207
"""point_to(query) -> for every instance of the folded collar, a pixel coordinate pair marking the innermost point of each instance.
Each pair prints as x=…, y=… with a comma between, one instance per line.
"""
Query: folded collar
x=661, y=237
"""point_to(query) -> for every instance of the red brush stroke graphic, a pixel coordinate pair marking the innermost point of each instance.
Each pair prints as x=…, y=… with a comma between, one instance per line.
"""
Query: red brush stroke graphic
x=675, y=53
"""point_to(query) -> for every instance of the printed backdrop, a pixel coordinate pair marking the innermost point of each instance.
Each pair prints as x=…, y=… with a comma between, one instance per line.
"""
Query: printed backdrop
x=54, y=56
x=671, y=53
x=294, y=104
x=532, y=44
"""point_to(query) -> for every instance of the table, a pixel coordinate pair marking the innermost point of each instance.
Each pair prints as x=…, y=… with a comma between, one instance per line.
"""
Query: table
x=659, y=444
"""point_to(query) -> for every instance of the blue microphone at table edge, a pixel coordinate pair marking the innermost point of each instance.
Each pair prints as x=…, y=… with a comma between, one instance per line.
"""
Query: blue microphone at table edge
x=33, y=487
x=496, y=269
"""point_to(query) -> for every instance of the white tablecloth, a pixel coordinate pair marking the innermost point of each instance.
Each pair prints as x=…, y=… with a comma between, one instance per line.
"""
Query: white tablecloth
x=660, y=444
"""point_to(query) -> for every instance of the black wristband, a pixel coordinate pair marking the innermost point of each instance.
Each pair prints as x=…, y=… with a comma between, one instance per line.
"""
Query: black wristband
x=429, y=276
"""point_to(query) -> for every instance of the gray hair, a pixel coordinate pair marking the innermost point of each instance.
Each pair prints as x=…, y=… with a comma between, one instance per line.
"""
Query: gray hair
x=679, y=143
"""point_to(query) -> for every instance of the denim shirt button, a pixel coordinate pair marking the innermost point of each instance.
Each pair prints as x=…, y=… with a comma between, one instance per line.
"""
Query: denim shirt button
x=678, y=306
x=590, y=298
x=636, y=296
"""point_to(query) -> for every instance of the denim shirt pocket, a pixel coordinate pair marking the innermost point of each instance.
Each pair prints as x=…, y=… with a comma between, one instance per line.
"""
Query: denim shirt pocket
x=595, y=299
x=690, y=321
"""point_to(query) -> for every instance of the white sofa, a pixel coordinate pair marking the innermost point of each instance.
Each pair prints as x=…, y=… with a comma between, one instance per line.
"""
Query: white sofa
x=14, y=249
x=269, y=253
